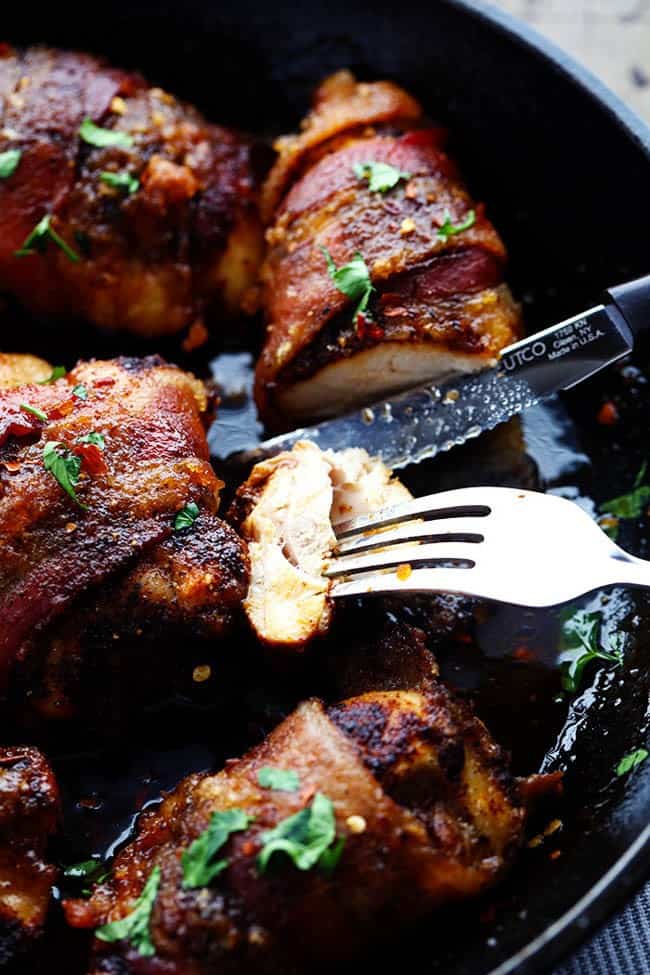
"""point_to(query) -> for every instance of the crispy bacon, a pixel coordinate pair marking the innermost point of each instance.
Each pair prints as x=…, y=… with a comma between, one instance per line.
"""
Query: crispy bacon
x=153, y=262
x=438, y=295
x=154, y=461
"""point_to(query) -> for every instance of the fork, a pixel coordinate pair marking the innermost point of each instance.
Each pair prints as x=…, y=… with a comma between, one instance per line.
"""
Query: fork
x=513, y=546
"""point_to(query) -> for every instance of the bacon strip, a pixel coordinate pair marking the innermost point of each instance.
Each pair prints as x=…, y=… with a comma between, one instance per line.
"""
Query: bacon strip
x=425, y=281
x=156, y=460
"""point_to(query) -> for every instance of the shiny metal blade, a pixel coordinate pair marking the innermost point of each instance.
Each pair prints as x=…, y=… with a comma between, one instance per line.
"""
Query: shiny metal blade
x=421, y=422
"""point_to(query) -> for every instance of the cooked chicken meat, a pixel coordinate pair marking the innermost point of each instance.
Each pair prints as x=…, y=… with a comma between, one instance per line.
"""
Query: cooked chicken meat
x=381, y=272
x=404, y=803
x=103, y=475
x=29, y=815
x=286, y=511
x=125, y=207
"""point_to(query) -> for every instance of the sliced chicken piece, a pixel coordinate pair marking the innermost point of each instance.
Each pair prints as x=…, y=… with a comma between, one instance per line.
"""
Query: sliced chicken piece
x=286, y=511
x=368, y=188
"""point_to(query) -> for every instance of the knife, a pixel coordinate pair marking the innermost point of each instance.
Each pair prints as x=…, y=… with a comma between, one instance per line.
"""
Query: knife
x=423, y=421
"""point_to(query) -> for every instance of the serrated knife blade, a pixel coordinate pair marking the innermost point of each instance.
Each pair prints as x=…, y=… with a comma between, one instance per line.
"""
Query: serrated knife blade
x=418, y=424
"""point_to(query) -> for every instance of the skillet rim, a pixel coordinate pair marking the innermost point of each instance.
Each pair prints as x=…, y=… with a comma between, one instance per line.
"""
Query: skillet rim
x=625, y=877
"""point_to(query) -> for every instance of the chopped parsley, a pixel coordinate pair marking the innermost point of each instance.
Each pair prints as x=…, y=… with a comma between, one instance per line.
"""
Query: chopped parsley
x=583, y=640
x=632, y=504
x=9, y=162
x=64, y=467
x=36, y=241
x=121, y=181
x=308, y=838
x=80, y=391
x=631, y=760
x=449, y=229
x=381, y=176
x=199, y=866
x=94, y=135
x=57, y=373
x=135, y=927
x=283, y=780
x=186, y=516
x=97, y=439
x=90, y=871
x=353, y=280
x=34, y=411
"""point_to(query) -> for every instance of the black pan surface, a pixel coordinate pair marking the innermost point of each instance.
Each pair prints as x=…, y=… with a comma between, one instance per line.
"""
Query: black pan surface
x=564, y=170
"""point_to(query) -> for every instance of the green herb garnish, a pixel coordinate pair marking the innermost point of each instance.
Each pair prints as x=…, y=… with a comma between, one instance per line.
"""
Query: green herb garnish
x=283, y=780
x=64, y=466
x=92, y=871
x=80, y=391
x=135, y=927
x=353, y=280
x=36, y=242
x=630, y=505
x=186, y=516
x=94, y=135
x=199, y=866
x=631, y=760
x=308, y=838
x=449, y=229
x=34, y=411
x=94, y=438
x=9, y=162
x=582, y=635
x=57, y=373
x=381, y=176
x=121, y=181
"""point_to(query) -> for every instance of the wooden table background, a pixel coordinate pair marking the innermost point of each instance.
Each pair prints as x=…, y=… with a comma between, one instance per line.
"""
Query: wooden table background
x=610, y=37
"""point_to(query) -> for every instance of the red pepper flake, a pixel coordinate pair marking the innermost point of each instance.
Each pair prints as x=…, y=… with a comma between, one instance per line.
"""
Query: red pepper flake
x=367, y=328
x=608, y=414
x=196, y=336
x=555, y=854
x=248, y=848
x=104, y=381
x=12, y=465
x=91, y=457
x=64, y=408
x=524, y=653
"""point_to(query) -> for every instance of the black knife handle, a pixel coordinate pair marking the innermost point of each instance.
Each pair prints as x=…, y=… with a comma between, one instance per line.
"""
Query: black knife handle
x=633, y=302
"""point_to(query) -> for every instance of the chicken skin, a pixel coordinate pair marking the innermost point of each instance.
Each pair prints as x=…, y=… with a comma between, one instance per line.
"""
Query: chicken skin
x=29, y=815
x=120, y=205
x=382, y=272
x=286, y=511
x=344, y=823
x=108, y=523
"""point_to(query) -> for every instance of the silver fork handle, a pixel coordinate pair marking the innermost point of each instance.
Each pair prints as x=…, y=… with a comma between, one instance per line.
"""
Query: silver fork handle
x=625, y=569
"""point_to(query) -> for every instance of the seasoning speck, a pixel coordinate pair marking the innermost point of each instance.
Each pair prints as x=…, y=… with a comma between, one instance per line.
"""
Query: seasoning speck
x=356, y=824
x=408, y=226
x=403, y=571
x=201, y=673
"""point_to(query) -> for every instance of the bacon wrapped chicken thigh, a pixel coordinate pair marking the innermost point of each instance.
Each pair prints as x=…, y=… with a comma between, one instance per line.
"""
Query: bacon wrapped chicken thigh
x=105, y=482
x=382, y=272
x=346, y=822
x=119, y=204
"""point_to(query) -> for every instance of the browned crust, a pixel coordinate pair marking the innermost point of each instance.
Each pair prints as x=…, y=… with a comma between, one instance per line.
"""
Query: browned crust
x=154, y=261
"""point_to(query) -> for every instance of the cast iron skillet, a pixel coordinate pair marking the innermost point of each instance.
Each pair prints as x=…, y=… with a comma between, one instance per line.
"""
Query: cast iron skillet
x=565, y=169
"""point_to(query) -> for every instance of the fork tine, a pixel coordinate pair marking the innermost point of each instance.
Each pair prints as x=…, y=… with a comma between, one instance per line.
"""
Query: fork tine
x=456, y=580
x=465, y=502
x=402, y=555
x=438, y=530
